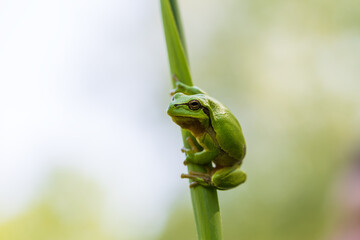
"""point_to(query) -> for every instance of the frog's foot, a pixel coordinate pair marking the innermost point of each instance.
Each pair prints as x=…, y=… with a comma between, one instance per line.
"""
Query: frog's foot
x=188, y=158
x=189, y=152
x=200, y=174
x=203, y=179
x=189, y=155
x=180, y=87
x=184, y=150
x=192, y=144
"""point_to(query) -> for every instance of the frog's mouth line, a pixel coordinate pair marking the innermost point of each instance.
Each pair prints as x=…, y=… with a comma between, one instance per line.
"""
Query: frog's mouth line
x=184, y=119
x=192, y=124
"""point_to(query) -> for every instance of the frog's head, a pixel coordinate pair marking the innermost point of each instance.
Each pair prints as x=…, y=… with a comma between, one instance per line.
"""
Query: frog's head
x=189, y=111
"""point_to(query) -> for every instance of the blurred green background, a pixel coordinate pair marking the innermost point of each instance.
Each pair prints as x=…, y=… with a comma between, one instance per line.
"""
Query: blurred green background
x=289, y=71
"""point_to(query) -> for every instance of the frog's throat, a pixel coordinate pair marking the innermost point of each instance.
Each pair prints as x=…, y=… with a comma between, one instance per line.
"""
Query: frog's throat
x=194, y=125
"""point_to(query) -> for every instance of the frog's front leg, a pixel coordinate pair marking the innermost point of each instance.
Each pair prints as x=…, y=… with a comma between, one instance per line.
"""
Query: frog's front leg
x=204, y=157
x=181, y=87
x=193, y=148
x=192, y=144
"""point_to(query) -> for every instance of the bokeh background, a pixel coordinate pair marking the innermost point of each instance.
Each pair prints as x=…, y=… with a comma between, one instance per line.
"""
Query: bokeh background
x=86, y=148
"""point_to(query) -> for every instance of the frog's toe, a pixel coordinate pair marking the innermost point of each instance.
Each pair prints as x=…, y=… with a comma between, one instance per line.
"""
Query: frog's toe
x=203, y=179
x=200, y=174
x=184, y=150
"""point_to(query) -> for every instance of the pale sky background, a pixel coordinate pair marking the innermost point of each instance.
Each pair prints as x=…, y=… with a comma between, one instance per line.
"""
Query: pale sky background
x=84, y=86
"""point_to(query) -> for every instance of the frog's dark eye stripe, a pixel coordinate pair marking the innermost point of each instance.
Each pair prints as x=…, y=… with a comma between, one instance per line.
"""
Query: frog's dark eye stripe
x=194, y=104
x=206, y=111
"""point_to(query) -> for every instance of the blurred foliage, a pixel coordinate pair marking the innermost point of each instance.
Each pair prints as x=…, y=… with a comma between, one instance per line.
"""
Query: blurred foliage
x=289, y=72
x=182, y=224
x=69, y=209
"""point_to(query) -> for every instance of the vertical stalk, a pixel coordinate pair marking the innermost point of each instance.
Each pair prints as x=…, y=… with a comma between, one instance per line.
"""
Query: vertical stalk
x=204, y=200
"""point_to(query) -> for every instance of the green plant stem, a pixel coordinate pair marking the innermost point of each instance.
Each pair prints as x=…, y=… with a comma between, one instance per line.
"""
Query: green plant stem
x=204, y=200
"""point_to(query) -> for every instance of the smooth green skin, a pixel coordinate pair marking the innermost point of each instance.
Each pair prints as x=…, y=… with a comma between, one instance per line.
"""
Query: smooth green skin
x=217, y=132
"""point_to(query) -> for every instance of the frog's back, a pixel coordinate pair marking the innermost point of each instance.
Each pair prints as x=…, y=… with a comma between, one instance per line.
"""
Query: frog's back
x=228, y=130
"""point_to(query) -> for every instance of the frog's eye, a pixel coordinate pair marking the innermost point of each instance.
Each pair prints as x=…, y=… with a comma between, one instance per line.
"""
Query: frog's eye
x=194, y=104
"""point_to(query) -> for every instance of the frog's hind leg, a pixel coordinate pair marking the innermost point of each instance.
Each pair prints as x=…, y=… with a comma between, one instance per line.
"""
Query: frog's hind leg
x=228, y=177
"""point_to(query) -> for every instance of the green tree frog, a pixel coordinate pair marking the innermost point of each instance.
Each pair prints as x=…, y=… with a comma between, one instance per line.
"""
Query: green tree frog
x=218, y=141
